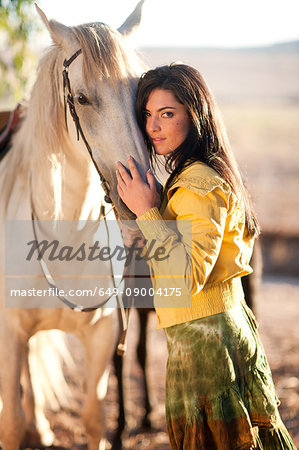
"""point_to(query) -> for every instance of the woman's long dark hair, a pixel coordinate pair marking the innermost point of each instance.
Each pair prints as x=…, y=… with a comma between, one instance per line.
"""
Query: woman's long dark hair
x=207, y=140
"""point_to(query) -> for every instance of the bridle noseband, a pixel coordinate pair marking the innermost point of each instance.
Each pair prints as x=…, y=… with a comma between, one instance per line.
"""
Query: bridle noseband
x=69, y=100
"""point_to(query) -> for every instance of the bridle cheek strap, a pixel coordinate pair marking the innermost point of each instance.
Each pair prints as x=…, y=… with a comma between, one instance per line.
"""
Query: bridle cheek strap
x=69, y=100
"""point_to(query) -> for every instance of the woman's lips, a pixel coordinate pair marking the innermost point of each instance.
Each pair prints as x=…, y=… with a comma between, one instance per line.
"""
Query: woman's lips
x=157, y=140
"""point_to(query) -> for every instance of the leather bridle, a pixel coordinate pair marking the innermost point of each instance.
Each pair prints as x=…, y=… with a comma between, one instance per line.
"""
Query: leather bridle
x=123, y=313
x=69, y=100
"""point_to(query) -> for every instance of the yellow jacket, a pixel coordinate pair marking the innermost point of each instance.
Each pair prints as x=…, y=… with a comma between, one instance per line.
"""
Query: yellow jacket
x=201, y=246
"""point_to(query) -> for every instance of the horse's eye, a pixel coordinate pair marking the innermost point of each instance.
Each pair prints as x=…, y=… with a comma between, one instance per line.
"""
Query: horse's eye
x=82, y=100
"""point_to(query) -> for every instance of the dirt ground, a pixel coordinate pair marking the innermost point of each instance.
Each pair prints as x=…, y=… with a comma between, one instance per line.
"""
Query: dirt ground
x=278, y=316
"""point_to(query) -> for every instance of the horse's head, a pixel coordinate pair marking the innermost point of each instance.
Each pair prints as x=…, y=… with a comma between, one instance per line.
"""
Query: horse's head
x=101, y=75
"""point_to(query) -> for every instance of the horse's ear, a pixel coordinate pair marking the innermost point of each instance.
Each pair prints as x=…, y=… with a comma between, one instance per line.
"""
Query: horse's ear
x=132, y=21
x=59, y=32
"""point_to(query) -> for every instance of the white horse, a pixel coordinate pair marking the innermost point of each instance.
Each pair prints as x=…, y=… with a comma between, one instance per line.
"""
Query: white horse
x=50, y=171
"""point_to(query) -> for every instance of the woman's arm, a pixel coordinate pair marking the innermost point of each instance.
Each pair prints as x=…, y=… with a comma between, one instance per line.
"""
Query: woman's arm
x=191, y=242
x=184, y=251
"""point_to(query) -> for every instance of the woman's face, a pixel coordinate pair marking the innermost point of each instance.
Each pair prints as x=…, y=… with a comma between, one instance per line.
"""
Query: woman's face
x=166, y=121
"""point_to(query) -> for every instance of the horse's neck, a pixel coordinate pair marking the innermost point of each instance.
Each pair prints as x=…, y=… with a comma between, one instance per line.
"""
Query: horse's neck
x=65, y=187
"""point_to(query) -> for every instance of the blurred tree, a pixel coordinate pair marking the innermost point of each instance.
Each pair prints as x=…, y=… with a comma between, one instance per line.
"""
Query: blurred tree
x=17, y=22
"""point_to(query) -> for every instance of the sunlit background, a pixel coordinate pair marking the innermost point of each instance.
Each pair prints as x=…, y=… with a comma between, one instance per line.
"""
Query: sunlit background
x=220, y=23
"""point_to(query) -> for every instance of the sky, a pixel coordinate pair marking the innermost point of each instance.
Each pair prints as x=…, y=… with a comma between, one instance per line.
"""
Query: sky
x=186, y=23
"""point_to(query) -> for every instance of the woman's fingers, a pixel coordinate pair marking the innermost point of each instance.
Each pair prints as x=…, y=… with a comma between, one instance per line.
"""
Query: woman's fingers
x=120, y=184
x=123, y=173
x=133, y=169
x=151, y=180
x=138, y=195
x=120, y=180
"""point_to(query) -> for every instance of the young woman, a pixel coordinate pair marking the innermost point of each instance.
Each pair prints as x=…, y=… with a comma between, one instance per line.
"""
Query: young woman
x=219, y=389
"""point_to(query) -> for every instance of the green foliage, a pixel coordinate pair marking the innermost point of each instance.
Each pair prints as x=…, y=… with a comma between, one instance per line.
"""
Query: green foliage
x=17, y=22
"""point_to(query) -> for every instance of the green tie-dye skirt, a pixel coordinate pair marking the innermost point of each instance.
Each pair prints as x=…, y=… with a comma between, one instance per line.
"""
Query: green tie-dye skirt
x=219, y=389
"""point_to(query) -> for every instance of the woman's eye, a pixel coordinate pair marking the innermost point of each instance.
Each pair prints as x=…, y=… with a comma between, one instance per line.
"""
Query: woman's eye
x=82, y=99
x=167, y=114
x=146, y=114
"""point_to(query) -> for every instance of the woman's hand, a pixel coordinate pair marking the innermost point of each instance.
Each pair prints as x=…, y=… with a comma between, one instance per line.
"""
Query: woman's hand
x=138, y=195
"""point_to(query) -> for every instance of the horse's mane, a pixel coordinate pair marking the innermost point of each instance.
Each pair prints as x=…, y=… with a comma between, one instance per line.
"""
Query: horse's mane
x=43, y=134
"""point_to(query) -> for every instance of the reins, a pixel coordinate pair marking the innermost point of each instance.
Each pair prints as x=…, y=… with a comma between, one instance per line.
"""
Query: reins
x=51, y=282
x=123, y=313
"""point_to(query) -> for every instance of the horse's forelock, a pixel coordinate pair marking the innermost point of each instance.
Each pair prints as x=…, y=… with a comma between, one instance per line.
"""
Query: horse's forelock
x=105, y=53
